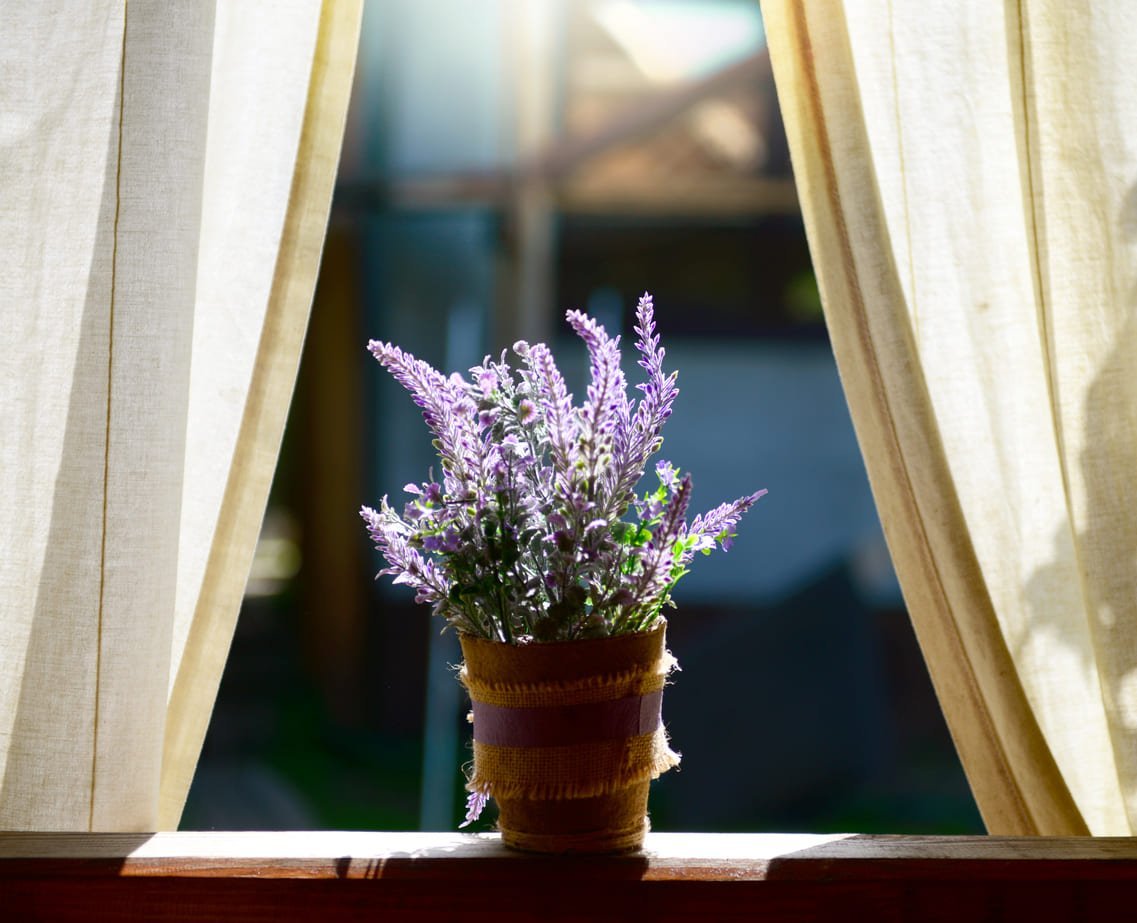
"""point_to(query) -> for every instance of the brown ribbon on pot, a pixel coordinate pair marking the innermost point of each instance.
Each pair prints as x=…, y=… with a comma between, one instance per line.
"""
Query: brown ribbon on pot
x=562, y=725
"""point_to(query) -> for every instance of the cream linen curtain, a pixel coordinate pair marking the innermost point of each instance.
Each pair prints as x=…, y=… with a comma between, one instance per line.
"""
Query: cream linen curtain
x=968, y=175
x=165, y=176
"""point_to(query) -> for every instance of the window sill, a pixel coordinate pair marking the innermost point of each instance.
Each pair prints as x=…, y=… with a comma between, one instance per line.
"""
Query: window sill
x=429, y=876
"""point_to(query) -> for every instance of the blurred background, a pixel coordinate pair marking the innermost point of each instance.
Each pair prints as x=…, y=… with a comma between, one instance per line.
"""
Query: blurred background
x=506, y=160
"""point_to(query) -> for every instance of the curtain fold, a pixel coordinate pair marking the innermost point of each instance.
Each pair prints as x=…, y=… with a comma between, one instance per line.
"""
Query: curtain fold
x=165, y=177
x=260, y=362
x=967, y=176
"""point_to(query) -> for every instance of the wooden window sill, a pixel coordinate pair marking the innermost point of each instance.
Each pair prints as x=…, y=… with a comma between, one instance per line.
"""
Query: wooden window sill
x=433, y=877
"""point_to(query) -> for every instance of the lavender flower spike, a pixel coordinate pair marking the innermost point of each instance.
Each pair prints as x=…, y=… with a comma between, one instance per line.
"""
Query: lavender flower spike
x=640, y=437
x=659, y=390
x=719, y=524
x=389, y=533
x=655, y=579
x=446, y=408
x=607, y=405
x=556, y=406
x=475, y=803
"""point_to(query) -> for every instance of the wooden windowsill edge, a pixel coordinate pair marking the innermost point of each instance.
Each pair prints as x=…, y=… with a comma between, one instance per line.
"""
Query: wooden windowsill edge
x=436, y=876
x=703, y=856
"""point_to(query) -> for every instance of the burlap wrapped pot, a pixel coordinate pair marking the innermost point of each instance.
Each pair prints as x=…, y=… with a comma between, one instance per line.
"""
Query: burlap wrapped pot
x=568, y=736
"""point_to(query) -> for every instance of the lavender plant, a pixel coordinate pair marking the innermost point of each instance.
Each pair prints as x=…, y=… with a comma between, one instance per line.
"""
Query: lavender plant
x=535, y=532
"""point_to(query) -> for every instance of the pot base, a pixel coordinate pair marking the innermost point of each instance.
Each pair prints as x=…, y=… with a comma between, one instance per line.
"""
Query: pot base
x=612, y=823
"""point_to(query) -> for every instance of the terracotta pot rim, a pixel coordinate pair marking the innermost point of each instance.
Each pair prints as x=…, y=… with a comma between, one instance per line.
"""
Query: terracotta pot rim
x=466, y=638
x=562, y=661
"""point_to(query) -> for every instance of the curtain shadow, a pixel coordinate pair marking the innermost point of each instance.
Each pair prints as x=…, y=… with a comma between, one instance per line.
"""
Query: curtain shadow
x=1110, y=596
x=1104, y=550
x=1111, y=537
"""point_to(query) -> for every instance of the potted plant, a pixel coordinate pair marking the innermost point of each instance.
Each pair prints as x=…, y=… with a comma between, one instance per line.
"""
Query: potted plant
x=535, y=547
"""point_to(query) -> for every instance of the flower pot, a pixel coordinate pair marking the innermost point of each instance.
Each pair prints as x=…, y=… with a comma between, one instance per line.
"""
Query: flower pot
x=568, y=736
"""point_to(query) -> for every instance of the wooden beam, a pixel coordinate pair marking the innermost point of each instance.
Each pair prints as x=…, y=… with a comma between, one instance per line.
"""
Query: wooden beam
x=700, y=196
x=645, y=117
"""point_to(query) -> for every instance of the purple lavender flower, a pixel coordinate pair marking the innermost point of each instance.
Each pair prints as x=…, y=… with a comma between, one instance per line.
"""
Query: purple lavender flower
x=717, y=525
x=656, y=576
x=556, y=406
x=390, y=535
x=525, y=535
x=446, y=408
x=640, y=435
x=526, y=410
x=475, y=803
x=607, y=404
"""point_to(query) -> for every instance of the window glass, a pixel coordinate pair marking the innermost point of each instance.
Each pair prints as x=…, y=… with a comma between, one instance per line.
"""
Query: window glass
x=506, y=161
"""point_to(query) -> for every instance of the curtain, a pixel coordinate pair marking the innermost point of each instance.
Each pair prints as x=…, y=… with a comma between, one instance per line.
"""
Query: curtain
x=166, y=172
x=968, y=176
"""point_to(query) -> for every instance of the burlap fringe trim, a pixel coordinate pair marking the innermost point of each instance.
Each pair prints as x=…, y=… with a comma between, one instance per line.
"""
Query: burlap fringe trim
x=578, y=771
